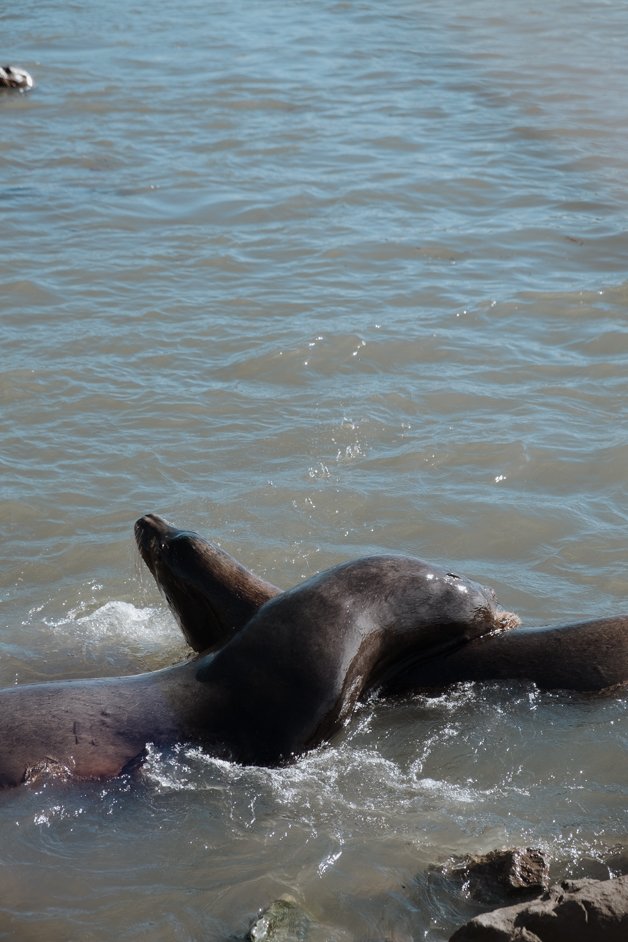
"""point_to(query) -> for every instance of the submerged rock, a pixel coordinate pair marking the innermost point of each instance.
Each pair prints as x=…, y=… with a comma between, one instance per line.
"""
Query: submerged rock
x=283, y=921
x=578, y=911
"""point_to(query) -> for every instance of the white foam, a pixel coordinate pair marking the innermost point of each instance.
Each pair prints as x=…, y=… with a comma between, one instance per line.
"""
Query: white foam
x=123, y=620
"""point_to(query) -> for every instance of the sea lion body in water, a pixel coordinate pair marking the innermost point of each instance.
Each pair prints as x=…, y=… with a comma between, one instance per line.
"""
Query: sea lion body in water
x=294, y=672
x=282, y=684
x=586, y=655
x=96, y=728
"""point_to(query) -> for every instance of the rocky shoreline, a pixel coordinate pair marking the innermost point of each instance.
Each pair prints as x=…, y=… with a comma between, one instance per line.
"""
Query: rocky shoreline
x=577, y=911
x=522, y=905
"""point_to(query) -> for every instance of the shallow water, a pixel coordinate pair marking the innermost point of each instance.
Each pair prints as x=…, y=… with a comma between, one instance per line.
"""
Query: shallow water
x=316, y=280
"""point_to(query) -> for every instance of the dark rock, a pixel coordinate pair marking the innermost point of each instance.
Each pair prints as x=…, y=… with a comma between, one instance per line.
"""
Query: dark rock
x=573, y=911
x=502, y=873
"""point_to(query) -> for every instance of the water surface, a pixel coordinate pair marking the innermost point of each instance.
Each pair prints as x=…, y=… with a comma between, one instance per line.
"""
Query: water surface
x=318, y=280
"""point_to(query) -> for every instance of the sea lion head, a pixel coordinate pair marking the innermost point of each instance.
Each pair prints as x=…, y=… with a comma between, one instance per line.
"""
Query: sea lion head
x=210, y=594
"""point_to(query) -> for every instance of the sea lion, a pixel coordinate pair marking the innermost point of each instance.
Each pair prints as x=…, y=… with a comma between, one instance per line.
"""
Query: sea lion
x=294, y=672
x=586, y=655
x=209, y=592
x=284, y=683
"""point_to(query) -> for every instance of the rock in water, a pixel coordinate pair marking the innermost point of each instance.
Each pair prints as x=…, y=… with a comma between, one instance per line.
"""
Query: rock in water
x=573, y=911
x=493, y=877
x=282, y=921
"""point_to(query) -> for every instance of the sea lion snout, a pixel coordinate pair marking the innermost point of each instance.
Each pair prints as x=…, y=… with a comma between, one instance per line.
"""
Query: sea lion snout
x=154, y=535
x=150, y=526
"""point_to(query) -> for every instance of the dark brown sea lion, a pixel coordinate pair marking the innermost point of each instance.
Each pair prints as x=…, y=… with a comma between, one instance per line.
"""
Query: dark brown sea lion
x=282, y=684
x=208, y=591
x=294, y=672
x=586, y=655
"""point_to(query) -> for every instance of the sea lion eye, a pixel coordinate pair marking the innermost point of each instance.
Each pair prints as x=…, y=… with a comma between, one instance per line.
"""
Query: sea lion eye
x=453, y=575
